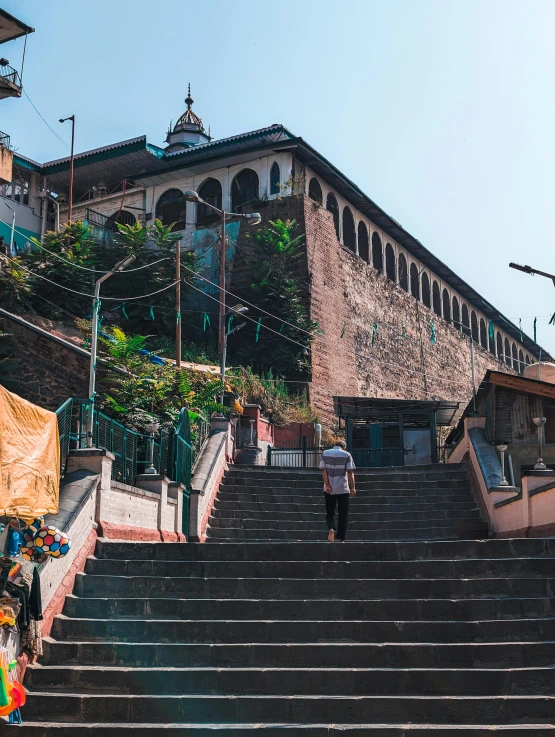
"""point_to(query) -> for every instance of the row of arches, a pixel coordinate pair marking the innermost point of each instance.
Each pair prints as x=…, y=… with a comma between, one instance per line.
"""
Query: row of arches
x=417, y=282
x=245, y=188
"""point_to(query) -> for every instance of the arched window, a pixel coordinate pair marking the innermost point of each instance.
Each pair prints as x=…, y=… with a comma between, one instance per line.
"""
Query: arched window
x=244, y=189
x=465, y=321
x=436, y=299
x=483, y=334
x=377, y=253
x=474, y=327
x=315, y=191
x=331, y=205
x=390, y=263
x=527, y=360
x=515, y=357
x=349, y=236
x=123, y=217
x=170, y=208
x=499, y=346
x=520, y=361
x=414, y=281
x=274, y=179
x=456, y=314
x=403, y=273
x=426, y=290
x=363, y=250
x=446, y=306
x=491, y=339
x=211, y=192
x=507, y=354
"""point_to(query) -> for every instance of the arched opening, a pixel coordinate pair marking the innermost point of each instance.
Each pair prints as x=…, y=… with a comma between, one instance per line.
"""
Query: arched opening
x=244, y=189
x=527, y=360
x=465, y=321
x=123, y=217
x=274, y=178
x=211, y=192
x=363, y=249
x=483, y=334
x=403, y=274
x=315, y=191
x=390, y=262
x=426, y=290
x=436, y=299
x=499, y=340
x=349, y=236
x=491, y=338
x=332, y=206
x=515, y=357
x=456, y=314
x=507, y=354
x=377, y=253
x=171, y=208
x=521, y=361
x=474, y=327
x=446, y=305
x=414, y=281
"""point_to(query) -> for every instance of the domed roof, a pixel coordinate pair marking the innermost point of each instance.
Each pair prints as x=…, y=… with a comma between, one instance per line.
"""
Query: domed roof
x=189, y=118
x=543, y=371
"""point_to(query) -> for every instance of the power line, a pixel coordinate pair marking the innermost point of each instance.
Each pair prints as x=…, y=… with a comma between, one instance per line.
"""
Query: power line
x=60, y=139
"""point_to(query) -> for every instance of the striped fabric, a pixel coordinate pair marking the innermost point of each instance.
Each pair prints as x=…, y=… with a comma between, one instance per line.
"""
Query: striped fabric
x=337, y=462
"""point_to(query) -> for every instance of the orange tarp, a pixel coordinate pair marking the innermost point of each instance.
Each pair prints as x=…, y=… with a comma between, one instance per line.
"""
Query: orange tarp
x=29, y=458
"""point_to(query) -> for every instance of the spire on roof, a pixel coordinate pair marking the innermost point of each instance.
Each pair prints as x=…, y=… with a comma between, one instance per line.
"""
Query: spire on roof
x=189, y=129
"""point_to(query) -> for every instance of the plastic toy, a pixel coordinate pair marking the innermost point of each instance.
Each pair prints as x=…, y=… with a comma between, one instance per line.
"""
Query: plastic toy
x=51, y=541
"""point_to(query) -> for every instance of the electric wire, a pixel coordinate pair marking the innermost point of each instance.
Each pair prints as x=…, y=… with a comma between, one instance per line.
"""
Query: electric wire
x=60, y=139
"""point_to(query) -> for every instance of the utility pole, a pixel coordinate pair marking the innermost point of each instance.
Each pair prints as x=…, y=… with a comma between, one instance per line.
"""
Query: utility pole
x=70, y=199
x=178, y=304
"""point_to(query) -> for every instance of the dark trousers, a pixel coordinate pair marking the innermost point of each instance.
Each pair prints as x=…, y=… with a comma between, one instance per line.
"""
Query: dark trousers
x=342, y=502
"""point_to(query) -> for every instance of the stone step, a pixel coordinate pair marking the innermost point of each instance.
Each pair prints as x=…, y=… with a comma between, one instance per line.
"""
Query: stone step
x=397, y=522
x=39, y=729
x=328, y=681
x=384, y=533
x=357, y=513
x=297, y=588
x=460, y=710
x=316, y=496
x=300, y=631
x=326, y=609
x=516, y=654
x=430, y=473
x=342, y=570
x=322, y=551
x=360, y=506
x=410, y=484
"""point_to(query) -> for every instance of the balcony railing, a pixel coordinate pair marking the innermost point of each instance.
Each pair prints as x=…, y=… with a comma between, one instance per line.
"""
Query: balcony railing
x=10, y=81
x=5, y=141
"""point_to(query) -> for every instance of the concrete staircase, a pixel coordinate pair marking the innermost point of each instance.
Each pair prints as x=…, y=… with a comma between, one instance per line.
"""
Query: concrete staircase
x=423, y=503
x=371, y=638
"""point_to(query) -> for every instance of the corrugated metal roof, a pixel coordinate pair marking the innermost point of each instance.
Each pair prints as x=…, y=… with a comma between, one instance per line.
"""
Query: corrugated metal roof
x=370, y=409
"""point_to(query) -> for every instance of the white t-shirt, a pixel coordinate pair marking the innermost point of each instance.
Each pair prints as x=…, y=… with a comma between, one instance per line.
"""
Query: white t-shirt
x=337, y=462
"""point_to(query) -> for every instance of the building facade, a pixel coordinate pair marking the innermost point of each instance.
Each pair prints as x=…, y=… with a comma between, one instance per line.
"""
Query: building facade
x=394, y=320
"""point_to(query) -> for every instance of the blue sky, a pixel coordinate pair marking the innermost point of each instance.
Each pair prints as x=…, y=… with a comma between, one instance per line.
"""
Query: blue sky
x=441, y=111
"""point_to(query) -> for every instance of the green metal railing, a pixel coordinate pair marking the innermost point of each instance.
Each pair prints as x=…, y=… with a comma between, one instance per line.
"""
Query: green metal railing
x=173, y=452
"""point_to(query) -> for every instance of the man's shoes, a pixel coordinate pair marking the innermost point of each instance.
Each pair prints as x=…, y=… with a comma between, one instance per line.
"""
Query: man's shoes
x=331, y=536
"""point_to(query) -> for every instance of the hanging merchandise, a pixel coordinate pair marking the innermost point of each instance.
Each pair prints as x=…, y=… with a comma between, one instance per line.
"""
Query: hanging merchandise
x=374, y=332
x=432, y=332
x=259, y=323
x=51, y=541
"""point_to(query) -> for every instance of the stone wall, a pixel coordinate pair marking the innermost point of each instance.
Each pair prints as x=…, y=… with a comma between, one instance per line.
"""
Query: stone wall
x=48, y=369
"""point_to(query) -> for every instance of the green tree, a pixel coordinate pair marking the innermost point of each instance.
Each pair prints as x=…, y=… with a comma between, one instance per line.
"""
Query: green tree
x=15, y=286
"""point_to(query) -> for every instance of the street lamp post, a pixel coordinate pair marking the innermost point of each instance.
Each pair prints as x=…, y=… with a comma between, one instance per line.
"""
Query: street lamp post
x=12, y=229
x=120, y=266
x=70, y=203
x=252, y=218
x=151, y=428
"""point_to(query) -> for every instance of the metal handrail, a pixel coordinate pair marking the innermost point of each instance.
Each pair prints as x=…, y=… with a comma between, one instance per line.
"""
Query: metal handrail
x=10, y=75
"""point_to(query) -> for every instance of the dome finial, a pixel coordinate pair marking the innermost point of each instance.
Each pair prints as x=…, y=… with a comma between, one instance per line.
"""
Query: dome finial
x=189, y=100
